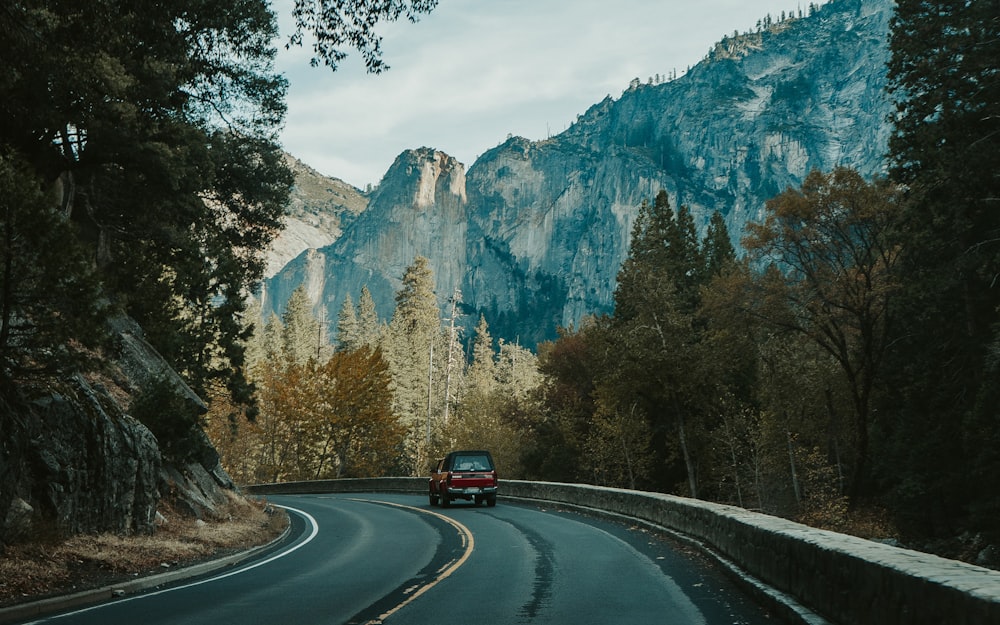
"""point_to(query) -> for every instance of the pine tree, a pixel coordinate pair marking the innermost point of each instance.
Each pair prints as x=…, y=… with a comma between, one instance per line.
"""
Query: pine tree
x=717, y=248
x=946, y=151
x=169, y=173
x=664, y=257
x=652, y=355
x=413, y=338
x=417, y=311
x=301, y=329
x=646, y=249
x=369, y=330
x=494, y=410
x=685, y=262
x=482, y=373
x=47, y=299
x=347, y=326
x=454, y=354
x=274, y=340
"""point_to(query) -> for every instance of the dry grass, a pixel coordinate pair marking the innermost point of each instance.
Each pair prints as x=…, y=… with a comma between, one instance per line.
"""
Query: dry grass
x=40, y=569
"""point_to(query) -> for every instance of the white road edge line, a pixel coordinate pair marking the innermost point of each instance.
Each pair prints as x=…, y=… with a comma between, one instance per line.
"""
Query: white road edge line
x=312, y=535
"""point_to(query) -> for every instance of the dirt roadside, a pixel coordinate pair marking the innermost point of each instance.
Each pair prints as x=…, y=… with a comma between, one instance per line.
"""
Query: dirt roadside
x=49, y=568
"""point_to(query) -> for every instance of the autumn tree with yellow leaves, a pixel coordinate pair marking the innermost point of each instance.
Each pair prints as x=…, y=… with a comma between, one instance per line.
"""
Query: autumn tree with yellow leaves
x=318, y=419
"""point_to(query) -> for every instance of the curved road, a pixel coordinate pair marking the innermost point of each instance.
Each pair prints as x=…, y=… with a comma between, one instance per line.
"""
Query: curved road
x=376, y=557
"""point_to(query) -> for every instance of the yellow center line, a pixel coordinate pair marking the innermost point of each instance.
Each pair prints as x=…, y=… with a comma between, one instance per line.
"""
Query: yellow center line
x=467, y=540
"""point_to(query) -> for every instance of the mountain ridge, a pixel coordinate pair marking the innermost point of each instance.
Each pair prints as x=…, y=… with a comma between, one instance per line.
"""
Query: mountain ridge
x=534, y=233
x=320, y=207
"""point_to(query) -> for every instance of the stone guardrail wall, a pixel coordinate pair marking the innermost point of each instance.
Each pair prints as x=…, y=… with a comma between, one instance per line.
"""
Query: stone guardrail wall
x=844, y=579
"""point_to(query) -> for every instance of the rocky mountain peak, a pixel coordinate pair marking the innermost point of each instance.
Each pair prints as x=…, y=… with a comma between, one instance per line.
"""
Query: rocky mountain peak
x=534, y=235
x=319, y=209
x=422, y=179
x=419, y=209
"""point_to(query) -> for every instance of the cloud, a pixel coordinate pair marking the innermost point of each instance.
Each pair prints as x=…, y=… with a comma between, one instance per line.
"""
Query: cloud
x=474, y=71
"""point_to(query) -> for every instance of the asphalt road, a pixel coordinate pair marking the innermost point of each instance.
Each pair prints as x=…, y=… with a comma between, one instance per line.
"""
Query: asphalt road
x=392, y=558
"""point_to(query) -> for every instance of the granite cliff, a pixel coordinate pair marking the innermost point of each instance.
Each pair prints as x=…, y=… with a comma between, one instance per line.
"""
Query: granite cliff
x=319, y=210
x=534, y=233
x=74, y=460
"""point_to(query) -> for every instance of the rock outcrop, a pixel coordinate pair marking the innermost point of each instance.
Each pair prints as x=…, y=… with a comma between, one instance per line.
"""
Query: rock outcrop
x=72, y=459
x=74, y=463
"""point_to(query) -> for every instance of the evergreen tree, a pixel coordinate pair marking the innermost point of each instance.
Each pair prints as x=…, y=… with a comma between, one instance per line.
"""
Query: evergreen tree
x=946, y=151
x=417, y=312
x=347, y=326
x=454, y=356
x=685, y=258
x=301, y=329
x=477, y=407
x=646, y=249
x=415, y=352
x=47, y=299
x=495, y=410
x=369, y=329
x=274, y=341
x=155, y=126
x=482, y=373
x=717, y=248
x=664, y=257
x=516, y=370
x=651, y=352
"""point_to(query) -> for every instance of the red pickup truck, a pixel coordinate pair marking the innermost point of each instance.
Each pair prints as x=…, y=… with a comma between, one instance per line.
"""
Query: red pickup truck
x=469, y=475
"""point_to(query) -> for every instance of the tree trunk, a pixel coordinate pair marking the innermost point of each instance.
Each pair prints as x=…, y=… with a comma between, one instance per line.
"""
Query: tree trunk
x=628, y=458
x=835, y=427
x=758, y=482
x=67, y=182
x=6, y=307
x=795, y=475
x=692, y=477
x=858, y=475
x=628, y=463
x=736, y=474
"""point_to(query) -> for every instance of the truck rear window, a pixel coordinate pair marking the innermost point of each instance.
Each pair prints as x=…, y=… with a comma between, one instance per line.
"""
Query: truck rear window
x=472, y=463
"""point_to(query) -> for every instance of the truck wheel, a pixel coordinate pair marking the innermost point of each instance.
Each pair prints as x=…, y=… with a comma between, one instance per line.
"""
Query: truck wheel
x=491, y=501
x=434, y=500
x=445, y=500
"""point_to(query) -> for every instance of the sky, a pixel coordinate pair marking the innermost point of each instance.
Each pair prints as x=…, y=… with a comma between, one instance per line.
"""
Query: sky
x=473, y=72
